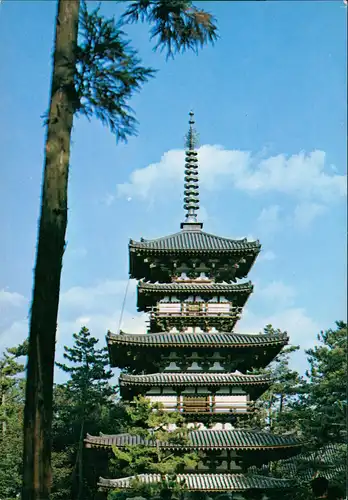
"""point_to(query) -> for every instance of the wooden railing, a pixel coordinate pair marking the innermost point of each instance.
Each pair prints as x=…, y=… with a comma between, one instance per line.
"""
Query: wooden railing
x=211, y=408
x=156, y=312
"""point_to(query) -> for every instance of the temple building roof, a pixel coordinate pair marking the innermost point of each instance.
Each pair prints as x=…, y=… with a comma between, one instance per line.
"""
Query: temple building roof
x=203, y=482
x=207, y=439
x=248, y=350
x=195, y=379
x=206, y=339
x=157, y=259
x=189, y=240
x=329, y=462
x=195, y=288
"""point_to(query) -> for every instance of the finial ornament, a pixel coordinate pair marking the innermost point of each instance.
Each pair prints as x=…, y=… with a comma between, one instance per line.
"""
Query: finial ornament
x=191, y=191
x=191, y=138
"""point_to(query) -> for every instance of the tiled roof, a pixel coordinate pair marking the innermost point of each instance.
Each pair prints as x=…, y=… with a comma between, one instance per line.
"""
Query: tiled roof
x=204, y=482
x=203, y=439
x=193, y=240
x=195, y=286
x=193, y=378
x=218, y=288
x=199, y=339
x=329, y=461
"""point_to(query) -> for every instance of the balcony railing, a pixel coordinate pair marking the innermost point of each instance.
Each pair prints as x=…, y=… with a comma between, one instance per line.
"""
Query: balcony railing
x=211, y=408
x=194, y=310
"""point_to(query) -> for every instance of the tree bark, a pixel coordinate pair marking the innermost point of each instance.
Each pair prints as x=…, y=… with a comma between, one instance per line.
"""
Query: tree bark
x=3, y=402
x=80, y=462
x=281, y=403
x=50, y=249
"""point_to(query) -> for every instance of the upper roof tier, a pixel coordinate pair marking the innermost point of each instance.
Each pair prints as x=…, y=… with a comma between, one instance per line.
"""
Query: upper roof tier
x=190, y=240
x=191, y=250
x=194, y=251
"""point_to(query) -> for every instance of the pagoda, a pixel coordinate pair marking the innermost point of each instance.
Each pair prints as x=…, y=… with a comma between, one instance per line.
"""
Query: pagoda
x=191, y=361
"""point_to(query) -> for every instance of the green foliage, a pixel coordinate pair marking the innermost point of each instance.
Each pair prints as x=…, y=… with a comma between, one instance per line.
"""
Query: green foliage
x=152, y=423
x=88, y=385
x=273, y=407
x=108, y=73
x=176, y=25
x=313, y=407
x=324, y=395
x=84, y=404
x=11, y=420
x=321, y=408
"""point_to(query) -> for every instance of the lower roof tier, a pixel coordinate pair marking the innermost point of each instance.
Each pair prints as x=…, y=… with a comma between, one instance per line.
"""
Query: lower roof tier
x=209, y=440
x=253, y=384
x=256, y=350
x=203, y=482
x=196, y=379
x=213, y=339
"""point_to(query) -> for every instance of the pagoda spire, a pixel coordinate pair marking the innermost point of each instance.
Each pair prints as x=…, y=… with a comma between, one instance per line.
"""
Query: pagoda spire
x=191, y=191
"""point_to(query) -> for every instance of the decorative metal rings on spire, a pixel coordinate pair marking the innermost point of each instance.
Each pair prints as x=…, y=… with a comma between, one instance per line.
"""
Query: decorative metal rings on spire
x=191, y=191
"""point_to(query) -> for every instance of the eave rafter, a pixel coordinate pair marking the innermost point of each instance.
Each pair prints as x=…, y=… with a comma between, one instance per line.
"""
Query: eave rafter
x=204, y=482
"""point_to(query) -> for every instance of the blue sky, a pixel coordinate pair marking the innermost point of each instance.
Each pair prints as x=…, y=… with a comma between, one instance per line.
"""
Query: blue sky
x=270, y=105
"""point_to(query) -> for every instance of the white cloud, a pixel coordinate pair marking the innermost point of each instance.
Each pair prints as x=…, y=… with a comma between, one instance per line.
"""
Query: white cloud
x=299, y=175
x=267, y=255
x=13, y=315
x=108, y=199
x=303, y=176
x=143, y=181
x=98, y=307
x=101, y=298
x=99, y=324
x=277, y=293
x=269, y=219
x=301, y=328
x=16, y=333
x=305, y=213
x=11, y=299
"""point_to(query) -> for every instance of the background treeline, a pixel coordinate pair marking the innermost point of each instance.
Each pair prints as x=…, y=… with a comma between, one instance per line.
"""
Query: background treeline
x=311, y=405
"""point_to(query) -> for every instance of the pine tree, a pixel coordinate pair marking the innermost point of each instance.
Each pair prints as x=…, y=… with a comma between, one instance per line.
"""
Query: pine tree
x=11, y=420
x=156, y=426
x=321, y=409
x=318, y=415
x=81, y=405
x=273, y=407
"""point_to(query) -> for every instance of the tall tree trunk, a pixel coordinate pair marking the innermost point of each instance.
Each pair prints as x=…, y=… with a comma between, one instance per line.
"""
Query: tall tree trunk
x=51, y=241
x=80, y=462
x=3, y=402
x=270, y=413
x=281, y=403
